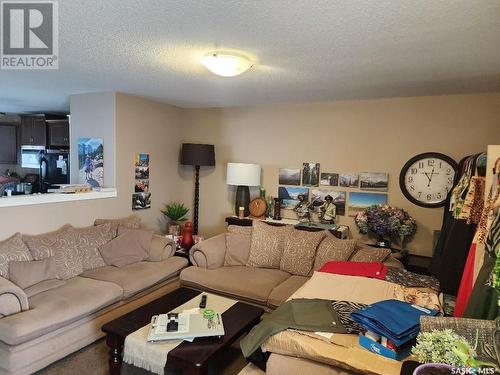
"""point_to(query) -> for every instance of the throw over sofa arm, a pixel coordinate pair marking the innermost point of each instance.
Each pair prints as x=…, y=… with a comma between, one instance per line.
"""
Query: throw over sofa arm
x=12, y=298
x=209, y=253
x=161, y=248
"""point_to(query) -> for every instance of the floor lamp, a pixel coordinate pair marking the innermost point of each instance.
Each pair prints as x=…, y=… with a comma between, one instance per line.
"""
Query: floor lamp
x=197, y=155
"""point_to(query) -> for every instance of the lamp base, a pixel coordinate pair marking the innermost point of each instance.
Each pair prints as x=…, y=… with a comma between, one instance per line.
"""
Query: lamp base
x=242, y=200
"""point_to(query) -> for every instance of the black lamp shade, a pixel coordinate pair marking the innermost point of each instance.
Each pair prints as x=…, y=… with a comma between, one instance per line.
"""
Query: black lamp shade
x=198, y=154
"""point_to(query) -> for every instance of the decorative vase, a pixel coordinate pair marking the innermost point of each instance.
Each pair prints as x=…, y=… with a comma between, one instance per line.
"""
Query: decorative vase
x=277, y=209
x=187, y=236
x=433, y=368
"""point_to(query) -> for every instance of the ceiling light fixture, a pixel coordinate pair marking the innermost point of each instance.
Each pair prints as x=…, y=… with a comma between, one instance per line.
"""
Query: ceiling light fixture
x=226, y=64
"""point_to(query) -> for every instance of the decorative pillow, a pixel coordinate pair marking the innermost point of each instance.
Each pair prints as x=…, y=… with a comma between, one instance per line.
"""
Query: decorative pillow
x=89, y=240
x=268, y=243
x=26, y=274
x=12, y=249
x=238, y=242
x=129, y=247
x=62, y=245
x=300, y=250
x=332, y=248
x=365, y=253
x=131, y=221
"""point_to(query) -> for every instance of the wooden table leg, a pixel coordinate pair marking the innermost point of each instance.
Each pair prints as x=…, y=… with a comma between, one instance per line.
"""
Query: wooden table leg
x=115, y=345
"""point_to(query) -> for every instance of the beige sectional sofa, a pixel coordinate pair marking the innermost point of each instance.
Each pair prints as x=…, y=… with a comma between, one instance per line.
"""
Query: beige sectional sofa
x=39, y=327
x=220, y=266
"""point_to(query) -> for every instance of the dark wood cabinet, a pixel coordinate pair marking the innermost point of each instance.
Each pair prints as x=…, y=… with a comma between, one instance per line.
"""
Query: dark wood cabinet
x=33, y=131
x=58, y=133
x=8, y=144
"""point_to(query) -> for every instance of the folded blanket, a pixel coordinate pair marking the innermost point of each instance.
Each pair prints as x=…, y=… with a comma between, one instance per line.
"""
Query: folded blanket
x=366, y=269
x=396, y=320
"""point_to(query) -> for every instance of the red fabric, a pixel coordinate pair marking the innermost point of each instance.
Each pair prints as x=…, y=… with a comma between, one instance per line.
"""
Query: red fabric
x=466, y=284
x=373, y=270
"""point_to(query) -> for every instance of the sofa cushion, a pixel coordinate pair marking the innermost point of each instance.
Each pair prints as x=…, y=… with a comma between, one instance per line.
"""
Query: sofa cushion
x=26, y=274
x=332, y=248
x=238, y=242
x=284, y=290
x=254, y=284
x=128, y=248
x=131, y=221
x=12, y=249
x=55, y=308
x=43, y=286
x=62, y=245
x=89, y=240
x=136, y=277
x=365, y=253
x=268, y=243
x=300, y=251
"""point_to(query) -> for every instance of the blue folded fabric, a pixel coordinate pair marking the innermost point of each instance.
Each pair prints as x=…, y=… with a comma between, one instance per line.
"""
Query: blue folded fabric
x=398, y=321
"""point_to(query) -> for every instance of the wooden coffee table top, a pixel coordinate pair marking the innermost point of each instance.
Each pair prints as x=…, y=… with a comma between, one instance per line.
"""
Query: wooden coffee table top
x=190, y=356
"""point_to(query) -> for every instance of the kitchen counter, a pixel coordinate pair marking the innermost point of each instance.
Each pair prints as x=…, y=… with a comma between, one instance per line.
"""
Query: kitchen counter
x=26, y=200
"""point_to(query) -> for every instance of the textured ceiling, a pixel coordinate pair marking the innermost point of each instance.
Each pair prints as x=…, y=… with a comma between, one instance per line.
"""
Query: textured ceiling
x=307, y=51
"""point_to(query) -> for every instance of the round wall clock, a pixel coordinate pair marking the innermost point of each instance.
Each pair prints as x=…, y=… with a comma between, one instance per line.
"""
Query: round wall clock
x=426, y=179
x=257, y=207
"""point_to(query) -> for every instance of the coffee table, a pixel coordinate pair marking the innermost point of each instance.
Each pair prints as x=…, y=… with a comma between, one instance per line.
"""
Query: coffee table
x=191, y=357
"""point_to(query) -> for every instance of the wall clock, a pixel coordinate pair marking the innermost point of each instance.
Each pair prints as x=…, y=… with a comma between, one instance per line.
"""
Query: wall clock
x=426, y=179
x=257, y=207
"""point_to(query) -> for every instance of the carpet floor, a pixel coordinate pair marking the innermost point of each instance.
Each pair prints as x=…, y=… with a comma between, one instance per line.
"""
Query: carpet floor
x=93, y=360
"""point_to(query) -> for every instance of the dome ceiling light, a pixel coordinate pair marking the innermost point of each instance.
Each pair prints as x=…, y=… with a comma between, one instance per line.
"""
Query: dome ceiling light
x=226, y=64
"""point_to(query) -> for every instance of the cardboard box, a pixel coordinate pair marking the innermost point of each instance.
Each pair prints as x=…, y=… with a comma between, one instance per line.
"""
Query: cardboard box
x=378, y=348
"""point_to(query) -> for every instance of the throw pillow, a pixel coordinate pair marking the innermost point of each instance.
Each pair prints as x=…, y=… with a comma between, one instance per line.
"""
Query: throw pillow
x=268, y=243
x=365, y=253
x=89, y=240
x=62, y=245
x=300, y=251
x=131, y=221
x=43, y=286
x=26, y=274
x=332, y=248
x=12, y=249
x=238, y=242
x=127, y=248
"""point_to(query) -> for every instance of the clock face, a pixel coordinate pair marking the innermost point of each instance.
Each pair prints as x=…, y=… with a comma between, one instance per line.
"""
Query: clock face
x=426, y=179
x=258, y=207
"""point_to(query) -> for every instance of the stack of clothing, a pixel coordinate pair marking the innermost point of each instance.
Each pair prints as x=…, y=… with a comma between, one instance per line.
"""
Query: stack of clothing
x=392, y=323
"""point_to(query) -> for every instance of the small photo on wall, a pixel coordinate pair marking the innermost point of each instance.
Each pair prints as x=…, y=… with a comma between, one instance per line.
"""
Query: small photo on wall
x=141, y=173
x=141, y=186
x=329, y=179
x=289, y=176
x=141, y=201
x=359, y=201
x=289, y=196
x=339, y=197
x=310, y=174
x=142, y=160
x=350, y=180
x=373, y=181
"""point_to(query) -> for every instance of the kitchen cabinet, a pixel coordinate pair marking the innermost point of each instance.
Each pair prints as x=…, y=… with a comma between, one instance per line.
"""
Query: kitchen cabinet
x=8, y=144
x=33, y=131
x=58, y=133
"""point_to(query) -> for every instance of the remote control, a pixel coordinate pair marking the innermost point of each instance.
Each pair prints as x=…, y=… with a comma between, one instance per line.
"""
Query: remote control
x=203, y=302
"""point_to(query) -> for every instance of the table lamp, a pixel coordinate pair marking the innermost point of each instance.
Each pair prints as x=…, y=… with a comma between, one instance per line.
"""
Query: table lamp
x=243, y=176
x=197, y=155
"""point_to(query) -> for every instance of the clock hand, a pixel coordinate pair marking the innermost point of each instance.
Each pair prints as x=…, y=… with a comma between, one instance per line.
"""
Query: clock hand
x=430, y=178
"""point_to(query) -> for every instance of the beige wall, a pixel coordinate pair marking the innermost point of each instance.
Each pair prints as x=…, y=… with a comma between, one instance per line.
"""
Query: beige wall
x=141, y=126
x=350, y=136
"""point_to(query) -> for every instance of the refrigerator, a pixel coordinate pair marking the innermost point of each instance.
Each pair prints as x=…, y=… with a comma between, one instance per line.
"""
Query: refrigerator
x=54, y=169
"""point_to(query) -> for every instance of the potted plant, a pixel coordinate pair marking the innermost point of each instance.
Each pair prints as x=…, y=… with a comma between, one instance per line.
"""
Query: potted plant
x=176, y=213
x=386, y=223
x=443, y=350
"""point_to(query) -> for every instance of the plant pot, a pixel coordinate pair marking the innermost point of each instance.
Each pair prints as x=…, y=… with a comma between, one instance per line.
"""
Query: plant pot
x=433, y=369
x=174, y=229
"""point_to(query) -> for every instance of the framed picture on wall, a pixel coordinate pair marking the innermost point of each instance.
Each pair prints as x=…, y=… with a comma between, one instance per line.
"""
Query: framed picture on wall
x=289, y=195
x=289, y=176
x=359, y=201
x=329, y=179
x=377, y=181
x=339, y=198
x=91, y=161
x=350, y=180
x=310, y=174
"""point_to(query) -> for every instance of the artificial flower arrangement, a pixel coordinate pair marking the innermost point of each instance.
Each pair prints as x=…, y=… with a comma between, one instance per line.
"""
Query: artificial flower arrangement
x=386, y=222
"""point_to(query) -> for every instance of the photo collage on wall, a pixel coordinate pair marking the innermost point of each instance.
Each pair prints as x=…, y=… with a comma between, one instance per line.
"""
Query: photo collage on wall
x=307, y=180
x=141, y=198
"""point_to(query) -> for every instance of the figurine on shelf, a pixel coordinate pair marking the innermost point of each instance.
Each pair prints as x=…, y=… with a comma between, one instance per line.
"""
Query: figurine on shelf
x=303, y=209
x=328, y=211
